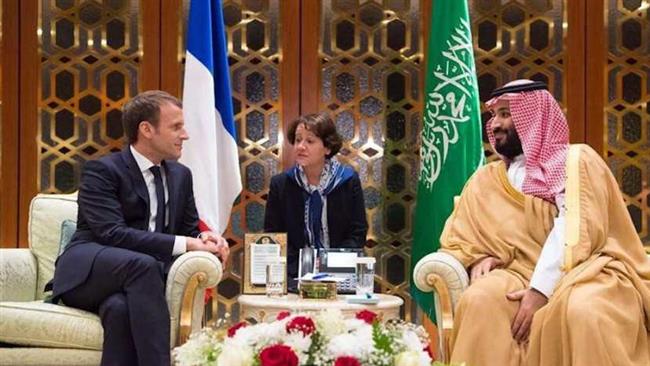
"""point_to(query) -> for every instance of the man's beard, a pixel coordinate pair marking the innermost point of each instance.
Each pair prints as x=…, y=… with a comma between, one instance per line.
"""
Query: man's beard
x=511, y=147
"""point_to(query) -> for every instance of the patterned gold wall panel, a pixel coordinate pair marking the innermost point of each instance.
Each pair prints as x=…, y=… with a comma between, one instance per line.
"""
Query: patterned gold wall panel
x=370, y=54
x=627, y=108
x=90, y=54
x=254, y=52
x=516, y=40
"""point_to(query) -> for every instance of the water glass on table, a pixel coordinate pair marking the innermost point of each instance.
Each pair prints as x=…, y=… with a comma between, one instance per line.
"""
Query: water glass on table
x=276, y=275
x=365, y=276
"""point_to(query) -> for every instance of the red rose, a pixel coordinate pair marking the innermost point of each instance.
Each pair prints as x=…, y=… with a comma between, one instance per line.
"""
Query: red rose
x=301, y=324
x=233, y=330
x=278, y=355
x=367, y=316
x=283, y=314
x=346, y=361
x=428, y=350
x=207, y=295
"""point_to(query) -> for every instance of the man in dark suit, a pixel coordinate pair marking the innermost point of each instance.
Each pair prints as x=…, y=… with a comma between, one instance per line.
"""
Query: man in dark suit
x=136, y=213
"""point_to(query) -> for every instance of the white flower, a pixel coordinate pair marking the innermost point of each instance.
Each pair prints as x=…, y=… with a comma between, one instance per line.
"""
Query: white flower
x=353, y=324
x=412, y=341
x=235, y=356
x=407, y=358
x=365, y=333
x=330, y=323
x=259, y=335
x=411, y=358
x=300, y=345
x=357, y=344
x=425, y=359
x=196, y=350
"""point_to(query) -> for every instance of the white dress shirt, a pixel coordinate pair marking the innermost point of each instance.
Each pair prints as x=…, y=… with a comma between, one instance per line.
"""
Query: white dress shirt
x=180, y=242
x=548, y=270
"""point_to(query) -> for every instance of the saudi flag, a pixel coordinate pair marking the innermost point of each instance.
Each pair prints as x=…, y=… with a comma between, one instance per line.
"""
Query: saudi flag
x=451, y=148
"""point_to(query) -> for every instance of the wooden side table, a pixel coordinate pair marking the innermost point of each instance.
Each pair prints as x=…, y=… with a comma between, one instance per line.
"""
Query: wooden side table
x=263, y=308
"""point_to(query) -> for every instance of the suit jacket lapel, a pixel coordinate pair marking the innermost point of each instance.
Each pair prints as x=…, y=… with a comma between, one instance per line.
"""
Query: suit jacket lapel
x=139, y=186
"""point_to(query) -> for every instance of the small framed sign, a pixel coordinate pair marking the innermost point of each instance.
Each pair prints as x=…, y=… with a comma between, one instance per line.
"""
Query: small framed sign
x=260, y=250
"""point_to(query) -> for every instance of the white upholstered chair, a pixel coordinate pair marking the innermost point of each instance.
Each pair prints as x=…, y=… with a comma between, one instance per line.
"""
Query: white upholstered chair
x=33, y=332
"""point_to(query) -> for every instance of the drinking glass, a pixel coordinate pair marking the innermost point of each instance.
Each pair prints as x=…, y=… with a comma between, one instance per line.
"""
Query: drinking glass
x=365, y=276
x=276, y=276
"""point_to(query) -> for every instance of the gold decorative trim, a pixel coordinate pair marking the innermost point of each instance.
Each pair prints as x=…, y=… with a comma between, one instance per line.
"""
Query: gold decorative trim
x=512, y=191
x=446, y=323
x=572, y=204
x=187, y=307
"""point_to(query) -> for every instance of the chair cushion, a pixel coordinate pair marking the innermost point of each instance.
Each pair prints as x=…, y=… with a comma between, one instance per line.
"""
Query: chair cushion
x=39, y=356
x=68, y=227
x=46, y=214
x=36, y=323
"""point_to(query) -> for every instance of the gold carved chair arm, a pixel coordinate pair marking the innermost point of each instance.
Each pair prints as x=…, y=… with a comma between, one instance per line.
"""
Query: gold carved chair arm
x=446, y=277
x=188, y=277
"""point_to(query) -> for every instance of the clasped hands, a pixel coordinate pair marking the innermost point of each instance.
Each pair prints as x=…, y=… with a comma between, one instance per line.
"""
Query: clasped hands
x=210, y=242
x=530, y=299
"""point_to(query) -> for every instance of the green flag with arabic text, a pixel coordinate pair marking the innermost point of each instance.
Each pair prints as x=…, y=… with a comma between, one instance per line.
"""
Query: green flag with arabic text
x=451, y=148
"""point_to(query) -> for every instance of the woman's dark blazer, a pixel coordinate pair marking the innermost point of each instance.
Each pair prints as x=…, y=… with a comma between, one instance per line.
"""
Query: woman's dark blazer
x=346, y=216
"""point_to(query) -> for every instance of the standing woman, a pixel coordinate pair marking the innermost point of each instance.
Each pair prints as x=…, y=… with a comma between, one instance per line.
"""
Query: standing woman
x=318, y=202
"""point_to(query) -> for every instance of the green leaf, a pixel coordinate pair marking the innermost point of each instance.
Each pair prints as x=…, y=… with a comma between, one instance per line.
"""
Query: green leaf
x=383, y=341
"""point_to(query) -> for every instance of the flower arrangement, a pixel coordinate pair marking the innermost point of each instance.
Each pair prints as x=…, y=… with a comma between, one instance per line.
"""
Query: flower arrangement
x=325, y=338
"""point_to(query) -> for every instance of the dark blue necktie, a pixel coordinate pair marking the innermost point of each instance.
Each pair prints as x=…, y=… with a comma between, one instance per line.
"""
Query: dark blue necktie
x=160, y=197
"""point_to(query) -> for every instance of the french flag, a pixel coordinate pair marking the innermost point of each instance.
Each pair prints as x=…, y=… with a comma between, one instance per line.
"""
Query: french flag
x=211, y=153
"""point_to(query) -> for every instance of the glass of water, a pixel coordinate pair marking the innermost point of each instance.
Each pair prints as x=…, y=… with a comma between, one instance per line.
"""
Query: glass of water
x=276, y=277
x=365, y=276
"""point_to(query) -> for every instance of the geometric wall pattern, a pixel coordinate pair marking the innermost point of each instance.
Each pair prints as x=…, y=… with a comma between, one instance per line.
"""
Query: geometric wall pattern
x=370, y=54
x=627, y=107
x=90, y=54
x=518, y=40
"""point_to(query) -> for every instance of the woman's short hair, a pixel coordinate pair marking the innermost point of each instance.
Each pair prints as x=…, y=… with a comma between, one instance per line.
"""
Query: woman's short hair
x=144, y=107
x=320, y=125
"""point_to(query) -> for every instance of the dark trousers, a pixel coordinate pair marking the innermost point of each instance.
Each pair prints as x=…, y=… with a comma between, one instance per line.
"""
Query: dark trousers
x=127, y=290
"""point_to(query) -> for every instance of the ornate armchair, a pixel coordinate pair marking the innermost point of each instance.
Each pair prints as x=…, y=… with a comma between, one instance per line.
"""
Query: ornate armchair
x=33, y=332
x=447, y=278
